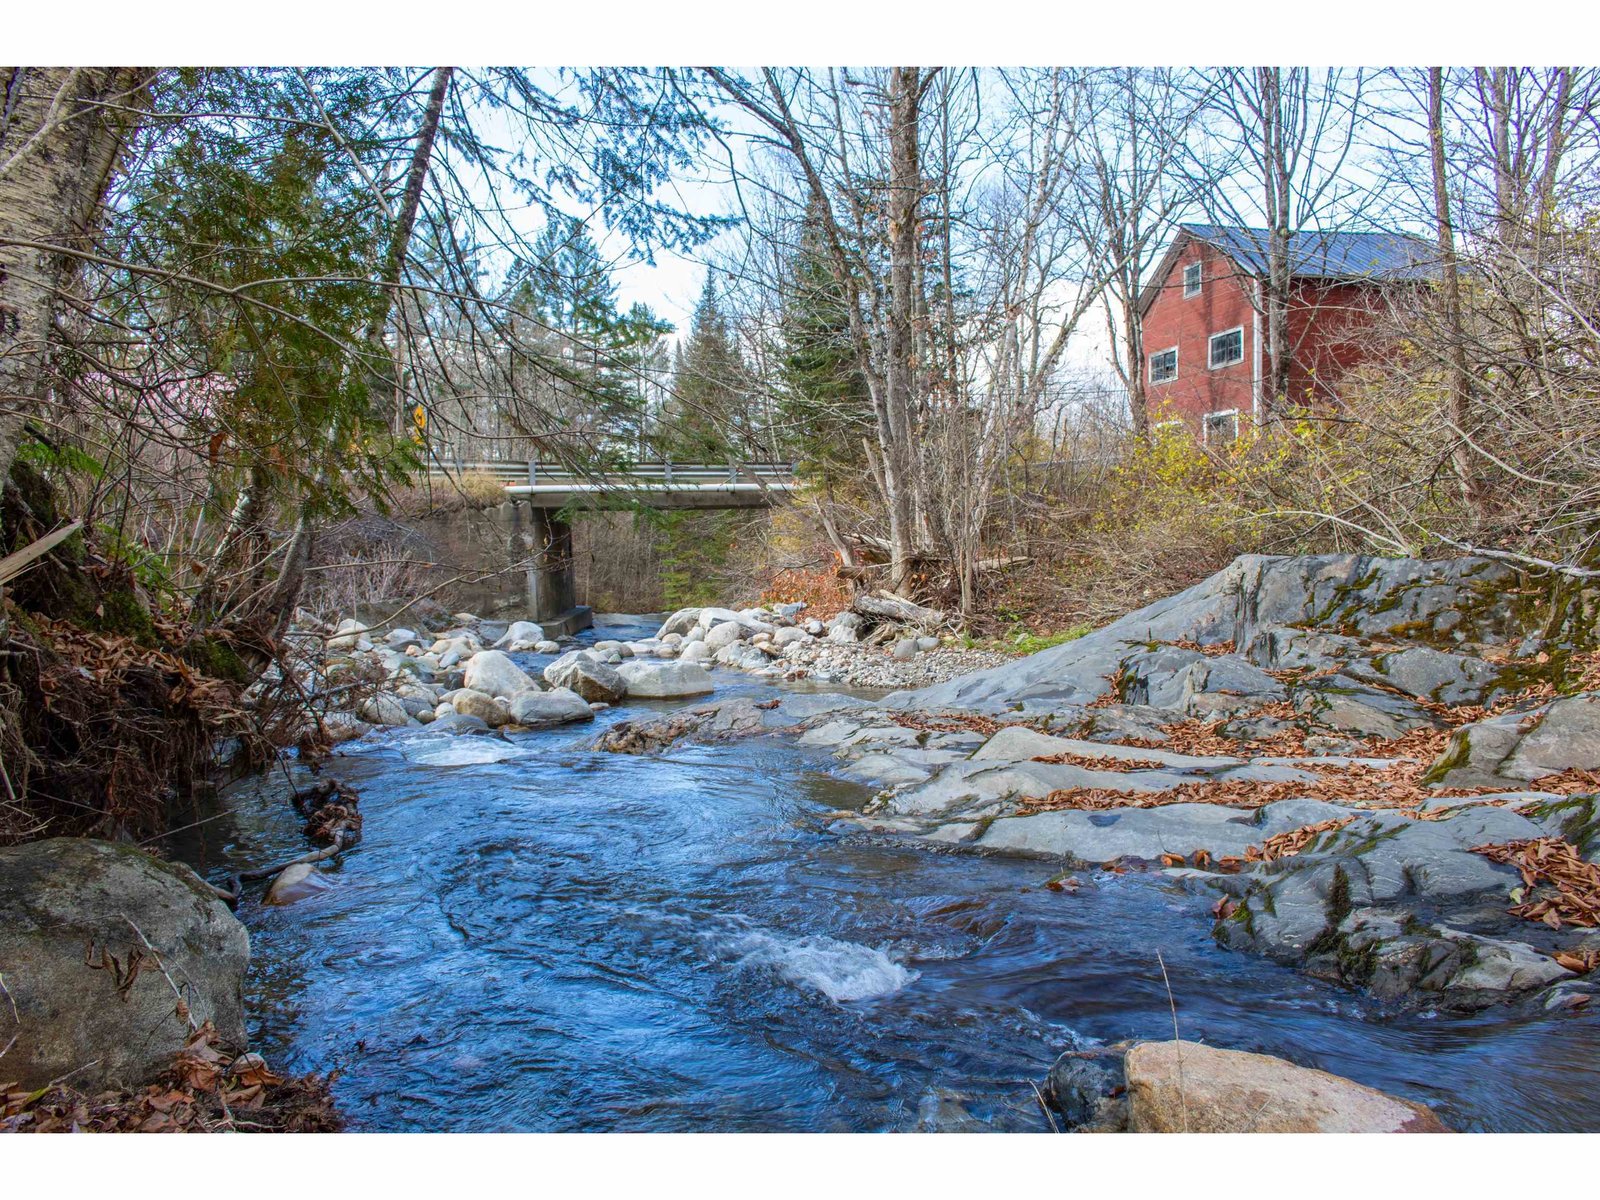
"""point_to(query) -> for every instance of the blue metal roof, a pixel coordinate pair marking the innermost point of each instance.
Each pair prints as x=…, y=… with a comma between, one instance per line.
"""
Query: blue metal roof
x=1314, y=254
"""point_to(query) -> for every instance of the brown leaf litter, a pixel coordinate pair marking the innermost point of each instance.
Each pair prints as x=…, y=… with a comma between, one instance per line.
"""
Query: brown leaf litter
x=206, y=1090
x=1548, y=863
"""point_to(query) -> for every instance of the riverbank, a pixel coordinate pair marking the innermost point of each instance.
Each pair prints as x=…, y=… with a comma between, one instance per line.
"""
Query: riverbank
x=684, y=941
x=1381, y=772
x=894, y=913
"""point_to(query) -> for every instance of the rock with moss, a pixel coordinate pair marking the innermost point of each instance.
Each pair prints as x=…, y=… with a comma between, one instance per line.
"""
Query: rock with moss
x=111, y=958
x=1524, y=746
x=1404, y=909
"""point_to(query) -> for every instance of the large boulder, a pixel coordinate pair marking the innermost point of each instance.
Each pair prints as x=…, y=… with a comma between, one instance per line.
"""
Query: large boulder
x=145, y=927
x=1405, y=909
x=1435, y=603
x=665, y=680
x=724, y=634
x=480, y=705
x=1184, y=1087
x=594, y=681
x=557, y=707
x=493, y=672
x=1554, y=737
x=681, y=622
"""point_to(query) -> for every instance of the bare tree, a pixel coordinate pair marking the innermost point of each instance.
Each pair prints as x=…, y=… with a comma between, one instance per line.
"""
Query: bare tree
x=1130, y=190
x=1281, y=140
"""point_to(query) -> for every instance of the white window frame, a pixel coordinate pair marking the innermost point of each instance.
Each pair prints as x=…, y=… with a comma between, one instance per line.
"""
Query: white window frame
x=1211, y=342
x=1151, y=361
x=1199, y=269
x=1205, y=424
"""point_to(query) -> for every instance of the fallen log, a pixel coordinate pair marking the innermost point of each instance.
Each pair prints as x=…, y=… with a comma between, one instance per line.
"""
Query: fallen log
x=882, y=606
x=342, y=841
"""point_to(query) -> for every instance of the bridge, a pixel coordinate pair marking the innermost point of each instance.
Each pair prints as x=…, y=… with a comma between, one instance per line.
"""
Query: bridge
x=549, y=488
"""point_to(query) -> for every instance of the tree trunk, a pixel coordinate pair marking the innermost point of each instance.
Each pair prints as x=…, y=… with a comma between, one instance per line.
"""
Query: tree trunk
x=1133, y=342
x=58, y=151
x=1459, y=380
x=905, y=194
x=1276, y=291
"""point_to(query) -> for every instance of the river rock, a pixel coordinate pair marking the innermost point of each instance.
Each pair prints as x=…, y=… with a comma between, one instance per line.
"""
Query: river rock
x=297, y=882
x=520, y=636
x=493, y=672
x=693, y=652
x=906, y=649
x=556, y=707
x=471, y=703
x=1403, y=909
x=1094, y=837
x=845, y=628
x=448, y=720
x=681, y=621
x=107, y=1024
x=665, y=680
x=593, y=681
x=384, y=708
x=347, y=636
x=723, y=635
x=344, y=727
x=1230, y=1091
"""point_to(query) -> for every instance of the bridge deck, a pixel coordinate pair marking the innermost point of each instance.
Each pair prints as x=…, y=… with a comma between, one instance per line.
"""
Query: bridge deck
x=659, y=484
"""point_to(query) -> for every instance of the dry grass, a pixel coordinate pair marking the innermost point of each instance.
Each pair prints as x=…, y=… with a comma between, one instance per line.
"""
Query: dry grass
x=824, y=594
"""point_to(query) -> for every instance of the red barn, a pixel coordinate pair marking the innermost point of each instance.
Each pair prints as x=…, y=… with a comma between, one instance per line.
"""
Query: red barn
x=1205, y=349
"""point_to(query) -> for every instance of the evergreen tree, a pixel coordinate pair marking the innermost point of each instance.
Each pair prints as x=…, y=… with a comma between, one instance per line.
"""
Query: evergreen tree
x=598, y=359
x=824, y=403
x=709, y=412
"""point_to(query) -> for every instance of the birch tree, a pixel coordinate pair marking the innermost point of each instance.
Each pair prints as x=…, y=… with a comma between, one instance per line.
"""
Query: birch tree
x=62, y=134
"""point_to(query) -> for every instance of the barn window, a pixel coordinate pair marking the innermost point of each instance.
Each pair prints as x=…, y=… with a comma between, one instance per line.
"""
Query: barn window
x=1221, y=427
x=1164, y=366
x=1227, y=348
x=1192, y=275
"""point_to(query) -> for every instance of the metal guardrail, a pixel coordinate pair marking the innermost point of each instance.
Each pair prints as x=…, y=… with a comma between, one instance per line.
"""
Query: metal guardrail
x=648, y=474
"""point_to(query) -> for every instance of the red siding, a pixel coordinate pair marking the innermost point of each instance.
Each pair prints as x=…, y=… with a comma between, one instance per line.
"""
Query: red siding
x=1223, y=304
x=1330, y=331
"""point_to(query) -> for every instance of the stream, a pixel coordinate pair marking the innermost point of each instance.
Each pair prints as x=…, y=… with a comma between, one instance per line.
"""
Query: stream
x=533, y=936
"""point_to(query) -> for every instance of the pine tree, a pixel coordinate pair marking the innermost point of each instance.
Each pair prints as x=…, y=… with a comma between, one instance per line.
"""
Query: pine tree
x=598, y=358
x=709, y=412
x=824, y=402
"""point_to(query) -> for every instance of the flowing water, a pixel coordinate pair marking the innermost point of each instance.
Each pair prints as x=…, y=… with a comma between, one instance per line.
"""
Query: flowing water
x=532, y=936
